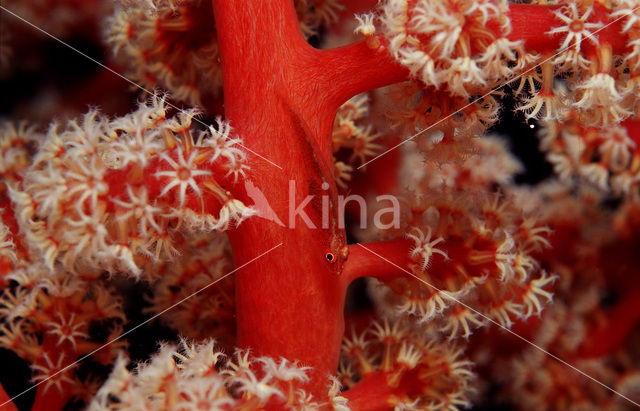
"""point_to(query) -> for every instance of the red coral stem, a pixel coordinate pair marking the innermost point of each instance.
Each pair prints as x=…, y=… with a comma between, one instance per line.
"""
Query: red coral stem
x=6, y=400
x=621, y=320
x=380, y=260
x=531, y=22
x=372, y=393
x=356, y=68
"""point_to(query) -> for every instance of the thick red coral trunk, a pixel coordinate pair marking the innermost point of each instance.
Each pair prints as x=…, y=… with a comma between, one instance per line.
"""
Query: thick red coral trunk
x=289, y=301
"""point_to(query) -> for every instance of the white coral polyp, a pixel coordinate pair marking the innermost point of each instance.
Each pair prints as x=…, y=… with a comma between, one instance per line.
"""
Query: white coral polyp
x=501, y=50
x=181, y=175
x=232, y=213
x=464, y=74
x=366, y=25
x=225, y=145
x=75, y=213
x=598, y=90
x=576, y=27
x=434, y=38
x=7, y=248
x=425, y=246
x=223, y=384
x=602, y=100
x=617, y=148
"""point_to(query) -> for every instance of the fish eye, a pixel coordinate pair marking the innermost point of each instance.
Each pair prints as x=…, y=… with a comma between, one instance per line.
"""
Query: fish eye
x=331, y=257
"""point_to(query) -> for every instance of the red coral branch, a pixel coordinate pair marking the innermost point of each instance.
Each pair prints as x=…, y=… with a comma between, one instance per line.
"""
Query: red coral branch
x=620, y=321
x=534, y=35
x=378, y=389
x=356, y=68
x=4, y=398
x=380, y=260
x=372, y=393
